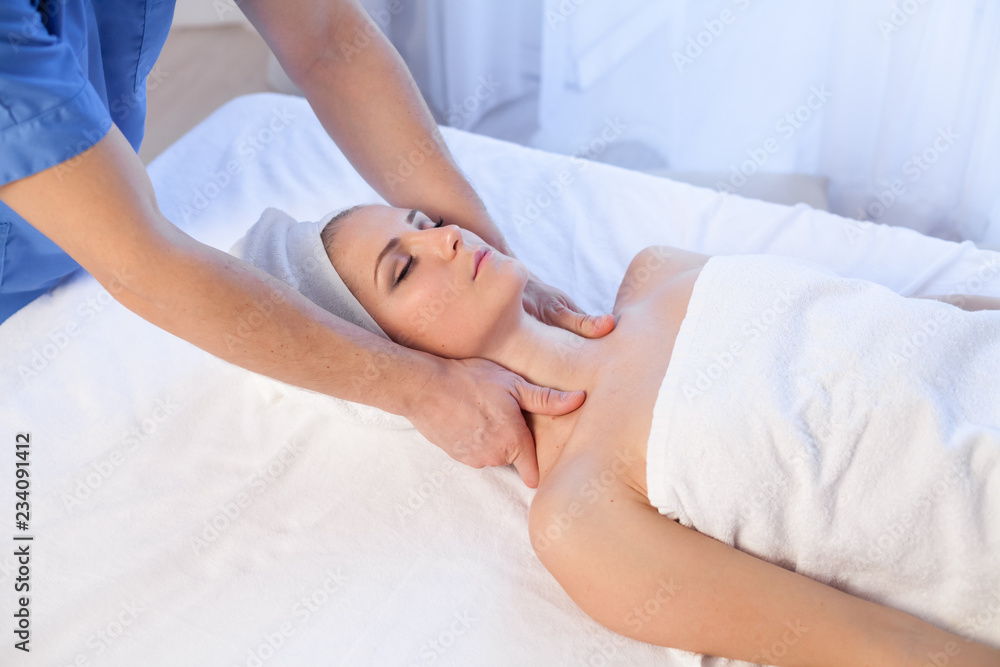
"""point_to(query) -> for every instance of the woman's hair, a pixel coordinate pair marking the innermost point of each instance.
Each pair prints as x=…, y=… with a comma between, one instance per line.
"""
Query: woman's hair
x=329, y=233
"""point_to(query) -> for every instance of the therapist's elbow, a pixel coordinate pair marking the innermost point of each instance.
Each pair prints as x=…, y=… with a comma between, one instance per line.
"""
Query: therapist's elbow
x=351, y=40
x=142, y=264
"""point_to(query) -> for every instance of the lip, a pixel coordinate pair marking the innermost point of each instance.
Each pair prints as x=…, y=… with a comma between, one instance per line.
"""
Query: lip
x=478, y=259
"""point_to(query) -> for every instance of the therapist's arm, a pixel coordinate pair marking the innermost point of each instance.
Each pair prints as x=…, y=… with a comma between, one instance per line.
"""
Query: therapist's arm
x=101, y=209
x=363, y=94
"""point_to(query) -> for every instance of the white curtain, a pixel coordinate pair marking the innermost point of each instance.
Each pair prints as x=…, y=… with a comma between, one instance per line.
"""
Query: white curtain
x=468, y=56
x=897, y=102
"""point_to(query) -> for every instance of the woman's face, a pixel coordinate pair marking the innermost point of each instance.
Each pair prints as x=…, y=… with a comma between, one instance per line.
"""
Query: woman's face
x=419, y=281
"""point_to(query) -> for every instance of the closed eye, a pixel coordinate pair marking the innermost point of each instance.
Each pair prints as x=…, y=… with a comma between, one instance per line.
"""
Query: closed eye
x=410, y=262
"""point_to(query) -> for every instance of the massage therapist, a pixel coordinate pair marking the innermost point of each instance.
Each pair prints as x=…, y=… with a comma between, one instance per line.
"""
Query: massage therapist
x=73, y=194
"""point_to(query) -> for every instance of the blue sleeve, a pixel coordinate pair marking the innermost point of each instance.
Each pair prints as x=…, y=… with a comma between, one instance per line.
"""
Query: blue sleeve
x=49, y=109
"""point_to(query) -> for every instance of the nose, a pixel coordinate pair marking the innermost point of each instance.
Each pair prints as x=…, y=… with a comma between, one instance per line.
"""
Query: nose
x=444, y=241
x=452, y=240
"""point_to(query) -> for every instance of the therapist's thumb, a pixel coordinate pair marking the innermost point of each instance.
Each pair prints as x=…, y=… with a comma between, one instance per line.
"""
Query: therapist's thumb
x=525, y=460
x=548, y=401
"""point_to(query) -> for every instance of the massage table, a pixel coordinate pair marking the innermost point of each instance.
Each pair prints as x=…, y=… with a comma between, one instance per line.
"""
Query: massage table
x=186, y=511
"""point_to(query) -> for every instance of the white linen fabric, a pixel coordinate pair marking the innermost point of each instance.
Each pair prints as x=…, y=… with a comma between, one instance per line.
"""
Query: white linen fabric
x=469, y=57
x=898, y=103
x=836, y=428
x=188, y=511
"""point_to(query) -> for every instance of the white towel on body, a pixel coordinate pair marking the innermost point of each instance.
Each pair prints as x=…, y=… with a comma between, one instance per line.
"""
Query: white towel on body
x=840, y=430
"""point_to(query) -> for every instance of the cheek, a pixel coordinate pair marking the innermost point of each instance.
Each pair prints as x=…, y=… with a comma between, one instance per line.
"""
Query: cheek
x=467, y=325
x=448, y=323
x=432, y=319
x=456, y=319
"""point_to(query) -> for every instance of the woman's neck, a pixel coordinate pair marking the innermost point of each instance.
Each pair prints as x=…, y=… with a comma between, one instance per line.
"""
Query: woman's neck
x=551, y=357
x=546, y=355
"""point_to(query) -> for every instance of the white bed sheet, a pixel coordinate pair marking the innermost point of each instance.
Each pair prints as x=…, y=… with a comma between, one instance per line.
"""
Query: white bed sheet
x=186, y=511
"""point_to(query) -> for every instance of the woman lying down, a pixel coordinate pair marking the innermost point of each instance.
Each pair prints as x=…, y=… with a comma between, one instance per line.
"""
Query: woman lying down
x=773, y=463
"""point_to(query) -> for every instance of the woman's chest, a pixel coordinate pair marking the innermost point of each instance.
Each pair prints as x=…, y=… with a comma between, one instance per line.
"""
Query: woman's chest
x=611, y=439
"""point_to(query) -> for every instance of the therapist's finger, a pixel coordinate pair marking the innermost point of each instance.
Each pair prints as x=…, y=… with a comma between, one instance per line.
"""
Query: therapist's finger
x=540, y=400
x=582, y=324
x=525, y=460
x=547, y=401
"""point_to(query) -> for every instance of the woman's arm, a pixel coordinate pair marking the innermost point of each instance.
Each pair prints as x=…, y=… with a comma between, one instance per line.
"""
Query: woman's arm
x=649, y=578
x=968, y=302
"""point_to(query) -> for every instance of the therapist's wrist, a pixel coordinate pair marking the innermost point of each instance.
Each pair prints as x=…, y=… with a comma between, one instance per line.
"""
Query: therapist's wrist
x=413, y=375
x=501, y=245
x=455, y=201
x=471, y=215
x=484, y=227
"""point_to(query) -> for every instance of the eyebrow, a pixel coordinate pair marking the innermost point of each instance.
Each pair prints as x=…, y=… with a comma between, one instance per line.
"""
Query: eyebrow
x=393, y=242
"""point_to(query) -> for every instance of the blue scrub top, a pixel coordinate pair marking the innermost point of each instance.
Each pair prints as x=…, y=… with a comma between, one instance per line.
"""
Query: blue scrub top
x=68, y=70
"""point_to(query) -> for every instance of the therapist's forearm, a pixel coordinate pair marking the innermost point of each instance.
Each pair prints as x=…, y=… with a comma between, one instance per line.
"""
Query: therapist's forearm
x=101, y=209
x=253, y=320
x=369, y=104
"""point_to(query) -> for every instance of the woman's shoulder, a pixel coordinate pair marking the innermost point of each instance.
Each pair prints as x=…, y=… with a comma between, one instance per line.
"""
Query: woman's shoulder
x=653, y=268
x=591, y=473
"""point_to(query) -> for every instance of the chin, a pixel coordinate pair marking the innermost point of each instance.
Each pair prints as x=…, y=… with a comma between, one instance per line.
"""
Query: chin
x=507, y=287
x=519, y=273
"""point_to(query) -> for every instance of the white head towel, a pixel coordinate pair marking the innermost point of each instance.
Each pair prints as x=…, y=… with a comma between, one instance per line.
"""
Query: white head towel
x=293, y=251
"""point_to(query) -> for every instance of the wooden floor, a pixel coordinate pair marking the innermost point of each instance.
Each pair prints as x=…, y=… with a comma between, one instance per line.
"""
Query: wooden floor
x=198, y=70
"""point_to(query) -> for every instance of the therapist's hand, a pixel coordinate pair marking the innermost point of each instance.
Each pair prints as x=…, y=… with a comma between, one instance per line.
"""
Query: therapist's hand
x=471, y=408
x=554, y=307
